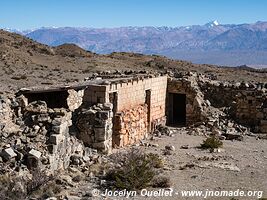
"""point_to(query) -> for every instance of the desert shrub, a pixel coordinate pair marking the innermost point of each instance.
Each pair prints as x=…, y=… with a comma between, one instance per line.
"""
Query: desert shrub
x=17, y=188
x=155, y=160
x=211, y=143
x=161, y=182
x=12, y=188
x=135, y=170
x=39, y=179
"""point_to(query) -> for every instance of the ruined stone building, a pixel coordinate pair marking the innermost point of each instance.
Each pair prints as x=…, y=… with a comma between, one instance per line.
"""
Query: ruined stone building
x=115, y=111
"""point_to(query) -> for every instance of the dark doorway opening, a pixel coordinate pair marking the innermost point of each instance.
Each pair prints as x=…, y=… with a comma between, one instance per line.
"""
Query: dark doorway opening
x=177, y=109
x=56, y=99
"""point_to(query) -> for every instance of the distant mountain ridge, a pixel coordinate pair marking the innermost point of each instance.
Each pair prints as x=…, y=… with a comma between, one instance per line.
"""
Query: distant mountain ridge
x=212, y=43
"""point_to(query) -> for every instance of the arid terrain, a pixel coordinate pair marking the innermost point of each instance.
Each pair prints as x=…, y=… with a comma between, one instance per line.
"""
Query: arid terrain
x=238, y=164
x=25, y=63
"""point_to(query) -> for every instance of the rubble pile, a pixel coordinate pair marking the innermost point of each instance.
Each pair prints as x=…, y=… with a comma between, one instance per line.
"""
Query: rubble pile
x=42, y=140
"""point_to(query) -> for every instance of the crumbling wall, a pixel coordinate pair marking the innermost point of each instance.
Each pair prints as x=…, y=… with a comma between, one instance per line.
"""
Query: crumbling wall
x=7, y=116
x=95, y=126
x=250, y=109
x=195, y=103
x=75, y=99
x=49, y=130
x=130, y=126
x=222, y=94
x=219, y=94
x=247, y=102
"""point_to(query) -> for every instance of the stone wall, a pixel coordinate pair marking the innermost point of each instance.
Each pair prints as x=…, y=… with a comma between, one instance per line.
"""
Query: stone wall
x=130, y=126
x=247, y=102
x=195, y=103
x=250, y=109
x=75, y=99
x=7, y=116
x=95, y=126
x=49, y=130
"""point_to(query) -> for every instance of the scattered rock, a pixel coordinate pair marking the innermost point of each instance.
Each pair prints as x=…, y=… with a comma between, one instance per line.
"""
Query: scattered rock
x=8, y=153
x=185, y=146
x=35, y=153
x=170, y=147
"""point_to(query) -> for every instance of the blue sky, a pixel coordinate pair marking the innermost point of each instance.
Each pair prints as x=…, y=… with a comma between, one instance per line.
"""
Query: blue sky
x=25, y=14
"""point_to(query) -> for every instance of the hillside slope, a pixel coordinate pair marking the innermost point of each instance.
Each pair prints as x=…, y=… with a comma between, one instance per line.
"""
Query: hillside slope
x=24, y=63
x=235, y=44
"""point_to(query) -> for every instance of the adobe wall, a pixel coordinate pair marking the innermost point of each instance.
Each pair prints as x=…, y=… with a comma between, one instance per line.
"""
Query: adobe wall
x=94, y=94
x=140, y=107
x=133, y=93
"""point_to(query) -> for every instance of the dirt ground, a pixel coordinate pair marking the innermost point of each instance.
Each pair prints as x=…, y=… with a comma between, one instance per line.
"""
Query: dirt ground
x=241, y=165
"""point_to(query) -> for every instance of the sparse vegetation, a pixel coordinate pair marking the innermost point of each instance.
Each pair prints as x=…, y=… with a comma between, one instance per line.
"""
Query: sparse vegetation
x=18, y=187
x=135, y=170
x=161, y=182
x=212, y=142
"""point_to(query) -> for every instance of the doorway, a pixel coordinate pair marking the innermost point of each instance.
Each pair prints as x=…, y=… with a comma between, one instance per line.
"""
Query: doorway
x=177, y=109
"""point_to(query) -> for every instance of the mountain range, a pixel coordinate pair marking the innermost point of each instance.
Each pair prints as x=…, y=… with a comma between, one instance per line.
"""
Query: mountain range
x=211, y=43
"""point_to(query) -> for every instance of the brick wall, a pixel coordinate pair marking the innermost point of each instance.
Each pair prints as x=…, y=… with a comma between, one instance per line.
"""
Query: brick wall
x=133, y=93
x=140, y=106
x=94, y=94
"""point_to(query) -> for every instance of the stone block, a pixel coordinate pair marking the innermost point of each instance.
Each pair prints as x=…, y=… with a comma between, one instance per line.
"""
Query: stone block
x=61, y=129
x=100, y=134
x=43, y=117
x=35, y=153
x=8, y=153
x=107, y=106
x=104, y=115
x=105, y=146
x=55, y=139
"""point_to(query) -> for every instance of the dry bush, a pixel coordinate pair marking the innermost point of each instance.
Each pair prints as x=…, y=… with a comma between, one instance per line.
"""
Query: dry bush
x=212, y=143
x=134, y=170
x=39, y=186
x=161, y=182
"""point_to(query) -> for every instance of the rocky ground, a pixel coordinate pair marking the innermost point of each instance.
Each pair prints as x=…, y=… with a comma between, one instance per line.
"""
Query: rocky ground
x=238, y=165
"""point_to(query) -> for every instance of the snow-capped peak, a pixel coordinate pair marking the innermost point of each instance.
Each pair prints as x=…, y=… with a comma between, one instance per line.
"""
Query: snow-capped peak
x=216, y=23
x=213, y=23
